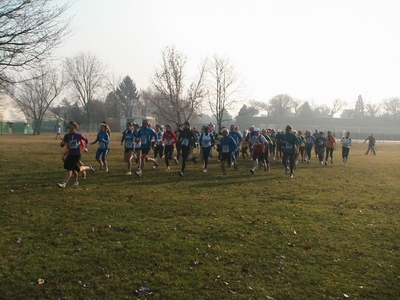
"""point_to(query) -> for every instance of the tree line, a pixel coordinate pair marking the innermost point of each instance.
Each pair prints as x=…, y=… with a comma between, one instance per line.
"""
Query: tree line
x=36, y=81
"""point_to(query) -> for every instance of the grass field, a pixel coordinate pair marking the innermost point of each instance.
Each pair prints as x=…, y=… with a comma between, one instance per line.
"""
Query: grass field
x=332, y=232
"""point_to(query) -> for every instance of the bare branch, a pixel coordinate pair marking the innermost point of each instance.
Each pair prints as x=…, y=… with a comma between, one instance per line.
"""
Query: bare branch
x=29, y=32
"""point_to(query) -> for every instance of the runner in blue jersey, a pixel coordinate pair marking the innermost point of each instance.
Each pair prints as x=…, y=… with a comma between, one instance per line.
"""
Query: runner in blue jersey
x=237, y=136
x=103, y=138
x=159, y=147
x=186, y=140
x=146, y=135
x=290, y=143
x=320, y=144
x=228, y=148
x=310, y=142
x=128, y=140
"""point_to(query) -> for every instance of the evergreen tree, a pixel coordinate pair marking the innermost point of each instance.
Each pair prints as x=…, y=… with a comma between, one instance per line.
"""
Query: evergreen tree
x=359, y=110
x=127, y=95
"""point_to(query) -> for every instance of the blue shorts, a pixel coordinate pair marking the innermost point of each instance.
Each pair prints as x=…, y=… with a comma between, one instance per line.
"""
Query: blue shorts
x=103, y=153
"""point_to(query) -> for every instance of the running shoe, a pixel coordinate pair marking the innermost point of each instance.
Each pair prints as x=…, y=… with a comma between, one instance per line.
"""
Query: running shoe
x=224, y=176
x=168, y=168
x=61, y=185
x=155, y=163
x=106, y=170
x=138, y=173
x=252, y=171
x=91, y=168
x=180, y=173
x=129, y=173
x=176, y=160
x=205, y=170
x=291, y=175
x=76, y=183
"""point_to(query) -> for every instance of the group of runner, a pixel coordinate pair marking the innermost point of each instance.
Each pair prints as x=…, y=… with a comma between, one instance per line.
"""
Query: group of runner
x=288, y=147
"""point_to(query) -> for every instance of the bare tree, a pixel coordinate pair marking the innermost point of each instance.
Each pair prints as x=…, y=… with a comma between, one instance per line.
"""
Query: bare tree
x=86, y=74
x=392, y=107
x=224, y=84
x=36, y=95
x=337, y=106
x=322, y=111
x=168, y=94
x=30, y=30
x=259, y=105
x=372, y=110
x=280, y=104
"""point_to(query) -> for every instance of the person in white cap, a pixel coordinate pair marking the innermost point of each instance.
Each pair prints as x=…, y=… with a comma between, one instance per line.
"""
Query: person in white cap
x=259, y=143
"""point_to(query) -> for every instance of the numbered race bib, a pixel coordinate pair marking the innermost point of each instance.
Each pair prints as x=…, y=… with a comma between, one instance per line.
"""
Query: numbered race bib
x=102, y=145
x=73, y=144
x=225, y=149
x=128, y=144
x=289, y=146
x=143, y=140
x=185, y=142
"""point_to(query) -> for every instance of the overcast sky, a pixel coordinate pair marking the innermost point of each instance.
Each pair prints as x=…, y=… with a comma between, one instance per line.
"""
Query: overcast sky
x=315, y=50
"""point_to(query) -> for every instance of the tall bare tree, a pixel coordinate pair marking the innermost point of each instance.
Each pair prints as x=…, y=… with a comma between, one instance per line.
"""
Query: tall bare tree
x=168, y=95
x=30, y=31
x=280, y=104
x=392, y=107
x=372, y=110
x=224, y=86
x=36, y=95
x=86, y=74
x=322, y=111
x=337, y=106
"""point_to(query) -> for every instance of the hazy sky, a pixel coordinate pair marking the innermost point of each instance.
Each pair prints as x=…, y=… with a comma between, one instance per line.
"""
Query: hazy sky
x=314, y=50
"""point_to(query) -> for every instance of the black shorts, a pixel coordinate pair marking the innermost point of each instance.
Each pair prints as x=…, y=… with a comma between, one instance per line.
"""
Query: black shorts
x=226, y=157
x=258, y=155
x=127, y=150
x=72, y=162
x=145, y=151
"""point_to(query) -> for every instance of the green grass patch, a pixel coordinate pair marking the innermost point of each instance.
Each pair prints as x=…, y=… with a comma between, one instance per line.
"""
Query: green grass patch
x=332, y=232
